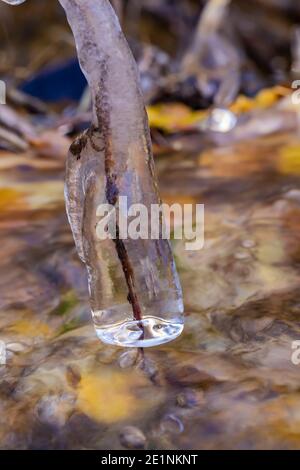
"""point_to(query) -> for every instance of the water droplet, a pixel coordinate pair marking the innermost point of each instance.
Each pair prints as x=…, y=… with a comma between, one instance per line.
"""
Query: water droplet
x=220, y=120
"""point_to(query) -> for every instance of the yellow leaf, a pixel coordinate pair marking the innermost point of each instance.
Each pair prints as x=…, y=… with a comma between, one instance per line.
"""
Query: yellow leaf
x=108, y=397
x=242, y=105
x=270, y=95
x=9, y=197
x=263, y=99
x=289, y=160
x=27, y=327
x=173, y=117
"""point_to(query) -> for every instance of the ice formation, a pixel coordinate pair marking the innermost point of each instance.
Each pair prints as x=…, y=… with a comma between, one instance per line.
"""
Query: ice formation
x=134, y=288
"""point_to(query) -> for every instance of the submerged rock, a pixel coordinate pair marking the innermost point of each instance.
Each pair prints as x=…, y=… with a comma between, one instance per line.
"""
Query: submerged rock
x=132, y=438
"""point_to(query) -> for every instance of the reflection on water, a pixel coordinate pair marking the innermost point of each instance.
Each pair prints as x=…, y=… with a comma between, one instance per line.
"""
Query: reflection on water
x=227, y=382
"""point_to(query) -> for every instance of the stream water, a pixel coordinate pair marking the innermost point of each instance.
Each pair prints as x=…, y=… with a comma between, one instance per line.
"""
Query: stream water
x=227, y=382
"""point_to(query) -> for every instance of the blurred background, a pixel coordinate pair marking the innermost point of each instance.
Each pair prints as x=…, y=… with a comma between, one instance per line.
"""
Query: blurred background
x=200, y=55
x=219, y=79
x=259, y=37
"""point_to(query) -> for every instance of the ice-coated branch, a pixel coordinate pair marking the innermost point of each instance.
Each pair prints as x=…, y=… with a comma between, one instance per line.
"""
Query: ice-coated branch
x=119, y=135
x=131, y=281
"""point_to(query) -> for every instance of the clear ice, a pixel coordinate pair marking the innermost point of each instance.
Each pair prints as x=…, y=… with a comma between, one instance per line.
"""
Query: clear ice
x=135, y=293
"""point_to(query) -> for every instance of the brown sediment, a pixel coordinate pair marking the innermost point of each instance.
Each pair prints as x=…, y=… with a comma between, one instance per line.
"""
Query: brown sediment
x=112, y=191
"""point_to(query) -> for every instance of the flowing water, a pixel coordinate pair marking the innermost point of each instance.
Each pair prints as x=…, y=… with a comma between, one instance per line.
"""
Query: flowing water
x=227, y=382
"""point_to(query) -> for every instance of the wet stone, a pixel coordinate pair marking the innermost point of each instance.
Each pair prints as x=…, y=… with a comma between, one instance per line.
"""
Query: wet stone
x=7, y=387
x=73, y=376
x=150, y=369
x=81, y=430
x=106, y=356
x=132, y=438
x=128, y=359
x=15, y=347
x=171, y=424
x=55, y=410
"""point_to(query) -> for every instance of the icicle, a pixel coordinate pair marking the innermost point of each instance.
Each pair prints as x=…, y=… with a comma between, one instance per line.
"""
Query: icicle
x=135, y=293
